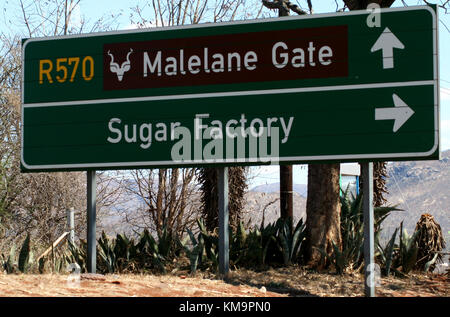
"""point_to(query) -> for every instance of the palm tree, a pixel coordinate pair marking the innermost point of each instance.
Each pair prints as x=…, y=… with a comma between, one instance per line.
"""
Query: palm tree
x=237, y=186
x=322, y=207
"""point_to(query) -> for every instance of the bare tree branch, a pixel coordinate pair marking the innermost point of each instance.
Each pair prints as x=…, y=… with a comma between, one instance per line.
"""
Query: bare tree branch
x=285, y=5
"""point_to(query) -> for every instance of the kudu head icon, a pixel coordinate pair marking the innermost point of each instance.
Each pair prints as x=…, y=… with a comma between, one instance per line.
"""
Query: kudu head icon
x=120, y=70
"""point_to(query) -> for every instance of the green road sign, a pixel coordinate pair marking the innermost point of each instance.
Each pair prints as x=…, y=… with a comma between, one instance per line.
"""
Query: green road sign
x=331, y=87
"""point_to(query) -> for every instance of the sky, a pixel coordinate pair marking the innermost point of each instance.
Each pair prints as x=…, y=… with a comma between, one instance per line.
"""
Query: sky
x=91, y=10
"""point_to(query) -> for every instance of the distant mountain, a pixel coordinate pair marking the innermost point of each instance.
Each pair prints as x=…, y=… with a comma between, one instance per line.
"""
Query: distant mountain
x=419, y=187
x=267, y=205
x=301, y=189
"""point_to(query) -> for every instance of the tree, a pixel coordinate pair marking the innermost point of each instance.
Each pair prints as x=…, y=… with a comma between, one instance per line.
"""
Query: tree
x=209, y=195
x=362, y=4
x=320, y=224
x=322, y=212
x=379, y=183
x=286, y=197
x=323, y=207
x=167, y=199
x=194, y=12
x=34, y=203
x=168, y=13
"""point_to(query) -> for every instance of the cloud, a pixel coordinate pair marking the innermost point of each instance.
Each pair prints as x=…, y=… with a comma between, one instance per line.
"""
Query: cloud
x=445, y=125
x=132, y=26
x=444, y=93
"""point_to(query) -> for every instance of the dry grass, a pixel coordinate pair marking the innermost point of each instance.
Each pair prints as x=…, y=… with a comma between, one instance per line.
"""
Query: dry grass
x=126, y=285
x=295, y=281
x=292, y=281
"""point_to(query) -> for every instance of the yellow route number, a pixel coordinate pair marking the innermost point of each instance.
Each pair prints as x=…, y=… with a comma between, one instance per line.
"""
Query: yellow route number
x=64, y=69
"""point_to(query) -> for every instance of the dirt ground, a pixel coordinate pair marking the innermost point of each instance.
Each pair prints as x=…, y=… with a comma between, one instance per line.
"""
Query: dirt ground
x=243, y=283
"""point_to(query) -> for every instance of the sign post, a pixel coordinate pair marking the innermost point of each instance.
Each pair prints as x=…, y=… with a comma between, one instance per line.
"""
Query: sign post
x=314, y=88
x=369, y=249
x=222, y=182
x=91, y=221
x=71, y=224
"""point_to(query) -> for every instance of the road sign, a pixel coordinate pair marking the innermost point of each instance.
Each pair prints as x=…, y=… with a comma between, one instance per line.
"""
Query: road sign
x=326, y=87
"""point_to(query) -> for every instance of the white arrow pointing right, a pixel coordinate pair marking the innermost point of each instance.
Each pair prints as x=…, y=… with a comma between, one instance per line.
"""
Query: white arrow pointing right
x=400, y=113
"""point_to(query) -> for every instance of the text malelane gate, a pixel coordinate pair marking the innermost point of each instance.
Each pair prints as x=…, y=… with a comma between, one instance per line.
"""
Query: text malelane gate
x=332, y=87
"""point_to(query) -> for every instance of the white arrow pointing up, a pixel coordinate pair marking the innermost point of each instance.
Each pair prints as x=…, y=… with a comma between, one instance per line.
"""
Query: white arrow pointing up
x=400, y=113
x=387, y=42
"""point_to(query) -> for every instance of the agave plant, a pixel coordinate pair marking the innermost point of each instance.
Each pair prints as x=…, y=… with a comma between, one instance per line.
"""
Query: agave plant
x=106, y=253
x=351, y=256
x=167, y=242
x=194, y=253
x=386, y=254
x=290, y=242
x=77, y=255
x=41, y=265
x=343, y=260
x=252, y=250
x=430, y=242
x=25, y=255
x=8, y=262
x=255, y=247
x=148, y=248
x=238, y=245
x=408, y=250
x=124, y=248
x=25, y=259
x=210, y=244
x=121, y=253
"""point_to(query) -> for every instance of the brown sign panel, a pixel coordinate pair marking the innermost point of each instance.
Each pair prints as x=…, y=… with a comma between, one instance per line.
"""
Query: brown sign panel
x=223, y=59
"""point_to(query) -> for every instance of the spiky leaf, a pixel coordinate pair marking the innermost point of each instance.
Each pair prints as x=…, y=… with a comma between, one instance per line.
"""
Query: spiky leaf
x=24, y=255
x=389, y=252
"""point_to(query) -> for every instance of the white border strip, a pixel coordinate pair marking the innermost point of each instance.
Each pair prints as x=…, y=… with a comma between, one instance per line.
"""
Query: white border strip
x=232, y=93
x=284, y=159
x=232, y=23
x=246, y=160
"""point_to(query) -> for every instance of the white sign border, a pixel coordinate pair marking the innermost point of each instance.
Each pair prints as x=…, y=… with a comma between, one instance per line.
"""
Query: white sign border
x=347, y=157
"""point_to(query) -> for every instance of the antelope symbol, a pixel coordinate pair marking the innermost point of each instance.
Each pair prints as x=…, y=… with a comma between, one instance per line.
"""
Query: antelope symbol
x=120, y=70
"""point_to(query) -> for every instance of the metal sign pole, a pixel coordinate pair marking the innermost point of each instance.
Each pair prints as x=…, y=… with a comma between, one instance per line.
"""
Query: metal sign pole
x=222, y=180
x=71, y=224
x=369, y=272
x=91, y=217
